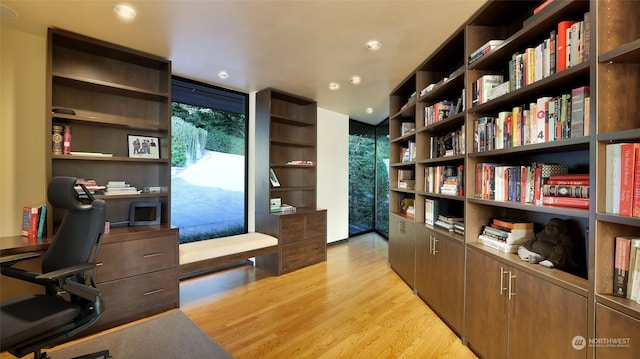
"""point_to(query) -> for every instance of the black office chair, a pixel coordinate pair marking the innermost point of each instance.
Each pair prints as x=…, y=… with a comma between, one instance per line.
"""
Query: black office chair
x=71, y=302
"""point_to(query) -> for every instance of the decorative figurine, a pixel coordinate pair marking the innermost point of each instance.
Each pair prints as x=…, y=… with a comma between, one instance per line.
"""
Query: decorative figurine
x=553, y=247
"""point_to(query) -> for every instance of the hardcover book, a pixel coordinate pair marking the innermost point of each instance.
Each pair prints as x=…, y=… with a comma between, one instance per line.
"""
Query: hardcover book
x=621, y=266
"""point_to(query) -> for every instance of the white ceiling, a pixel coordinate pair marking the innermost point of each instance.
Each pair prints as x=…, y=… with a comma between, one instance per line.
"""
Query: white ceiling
x=294, y=46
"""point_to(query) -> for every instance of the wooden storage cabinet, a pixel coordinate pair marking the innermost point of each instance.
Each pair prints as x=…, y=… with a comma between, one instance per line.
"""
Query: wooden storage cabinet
x=402, y=253
x=440, y=274
x=137, y=275
x=302, y=240
x=617, y=334
x=506, y=308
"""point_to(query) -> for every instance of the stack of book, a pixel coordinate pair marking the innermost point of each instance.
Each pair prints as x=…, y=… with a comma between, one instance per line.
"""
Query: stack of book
x=626, y=282
x=506, y=235
x=448, y=222
x=484, y=49
x=115, y=188
x=569, y=190
x=90, y=185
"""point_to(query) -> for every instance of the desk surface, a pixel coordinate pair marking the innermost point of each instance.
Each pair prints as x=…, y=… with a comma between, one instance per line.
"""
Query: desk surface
x=18, y=244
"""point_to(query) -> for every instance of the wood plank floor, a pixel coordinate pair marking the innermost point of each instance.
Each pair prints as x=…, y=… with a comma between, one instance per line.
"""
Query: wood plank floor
x=352, y=306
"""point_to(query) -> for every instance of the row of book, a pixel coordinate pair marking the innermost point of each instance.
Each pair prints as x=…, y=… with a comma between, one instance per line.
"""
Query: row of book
x=622, y=184
x=447, y=180
x=448, y=144
x=441, y=110
x=432, y=86
x=538, y=183
x=545, y=120
x=408, y=153
x=626, y=277
x=33, y=221
x=443, y=214
x=506, y=235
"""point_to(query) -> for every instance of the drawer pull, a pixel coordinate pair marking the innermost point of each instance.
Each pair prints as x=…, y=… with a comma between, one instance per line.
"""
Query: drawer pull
x=99, y=264
x=154, y=291
x=152, y=255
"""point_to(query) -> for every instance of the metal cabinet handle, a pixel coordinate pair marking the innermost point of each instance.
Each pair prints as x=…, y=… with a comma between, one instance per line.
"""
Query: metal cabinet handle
x=435, y=245
x=154, y=291
x=502, y=273
x=512, y=277
x=152, y=255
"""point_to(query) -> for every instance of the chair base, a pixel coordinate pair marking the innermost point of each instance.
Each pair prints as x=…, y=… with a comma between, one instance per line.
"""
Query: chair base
x=104, y=354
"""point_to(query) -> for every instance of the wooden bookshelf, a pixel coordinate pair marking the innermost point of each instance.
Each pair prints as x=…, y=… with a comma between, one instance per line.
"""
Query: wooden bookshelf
x=115, y=92
x=492, y=309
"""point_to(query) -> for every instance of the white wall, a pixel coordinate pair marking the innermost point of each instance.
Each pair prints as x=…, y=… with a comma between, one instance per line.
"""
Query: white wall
x=333, y=172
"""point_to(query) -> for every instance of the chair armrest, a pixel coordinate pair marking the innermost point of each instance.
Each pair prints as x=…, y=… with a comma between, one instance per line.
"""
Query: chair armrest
x=81, y=290
x=8, y=261
x=66, y=272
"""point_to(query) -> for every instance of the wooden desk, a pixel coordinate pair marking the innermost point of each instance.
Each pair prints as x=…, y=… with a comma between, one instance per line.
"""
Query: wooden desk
x=137, y=272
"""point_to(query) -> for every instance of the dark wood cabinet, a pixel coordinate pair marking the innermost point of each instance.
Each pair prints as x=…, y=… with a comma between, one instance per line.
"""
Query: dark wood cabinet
x=402, y=248
x=286, y=128
x=617, y=334
x=440, y=274
x=113, y=92
x=506, y=307
x=302, y=239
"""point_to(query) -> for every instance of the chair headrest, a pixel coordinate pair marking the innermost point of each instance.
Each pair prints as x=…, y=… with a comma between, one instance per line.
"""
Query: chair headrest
x=62, y=194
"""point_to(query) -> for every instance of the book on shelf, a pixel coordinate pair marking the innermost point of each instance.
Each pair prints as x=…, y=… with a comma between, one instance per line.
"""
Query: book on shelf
x=613, y=162
x=497, y=244
x=482, y=86
x=66, y=140
x=636, y=185
x=303, y=163
x=30, y=219
x=572, y=202
x=42, y=220
x=407, y=128
x=559, y=190
x=633, y=282
x=406, y=179
x=484, y=49
x=273, y=178
x=512, y=223
x=578, y=110
x=621, y=266
x=628, y=152
x=508, y=235
x=90, y=154
x=561, y=58
x=275, y=204
x=433, y=207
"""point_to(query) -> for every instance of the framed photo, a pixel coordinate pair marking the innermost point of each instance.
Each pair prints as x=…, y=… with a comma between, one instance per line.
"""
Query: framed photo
x=143, y=146
x=273, y=178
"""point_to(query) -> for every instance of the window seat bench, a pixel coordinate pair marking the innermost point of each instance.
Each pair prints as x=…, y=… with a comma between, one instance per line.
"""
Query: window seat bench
x=203, y=256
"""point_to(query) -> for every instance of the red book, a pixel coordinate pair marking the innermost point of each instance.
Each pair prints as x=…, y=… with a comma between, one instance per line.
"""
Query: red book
x=542, y=6
x=30, y=217
x=66, y=140
x=570, y=177
x=636, y=185
x=576, y=182
x=621, y=266
x=628, y=157
x=566, y=202
x=561, y=53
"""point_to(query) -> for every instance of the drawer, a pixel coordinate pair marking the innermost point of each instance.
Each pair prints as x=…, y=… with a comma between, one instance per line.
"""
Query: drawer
x=138, y=297
x=291, y=228
x=130, y=258
x=303, y=253
x=316, y=225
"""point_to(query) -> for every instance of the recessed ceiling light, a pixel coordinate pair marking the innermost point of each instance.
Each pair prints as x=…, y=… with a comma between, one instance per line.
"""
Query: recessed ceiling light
x=355, y=80
x=369, y=110
x=334, y=86
x=125, y=12
x=223, y=74
x=373, y=45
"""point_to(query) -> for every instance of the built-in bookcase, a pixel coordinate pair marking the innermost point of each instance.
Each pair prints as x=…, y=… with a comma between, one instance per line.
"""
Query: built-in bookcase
x=493, y=312
x=617, y=107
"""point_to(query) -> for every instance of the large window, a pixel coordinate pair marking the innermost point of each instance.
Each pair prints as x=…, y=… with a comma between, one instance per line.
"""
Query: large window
x=368, y=178
x=208, y=161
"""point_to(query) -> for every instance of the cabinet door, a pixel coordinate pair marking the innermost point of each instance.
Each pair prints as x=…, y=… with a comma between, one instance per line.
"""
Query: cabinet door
x=543, y=312
x=622, y=332
x=402, y=248
x=425, y=265
x=486, y=314
x=449, y=280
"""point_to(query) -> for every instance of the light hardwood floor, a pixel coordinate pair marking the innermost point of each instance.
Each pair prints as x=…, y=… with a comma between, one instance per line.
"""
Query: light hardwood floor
x=351, y=306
